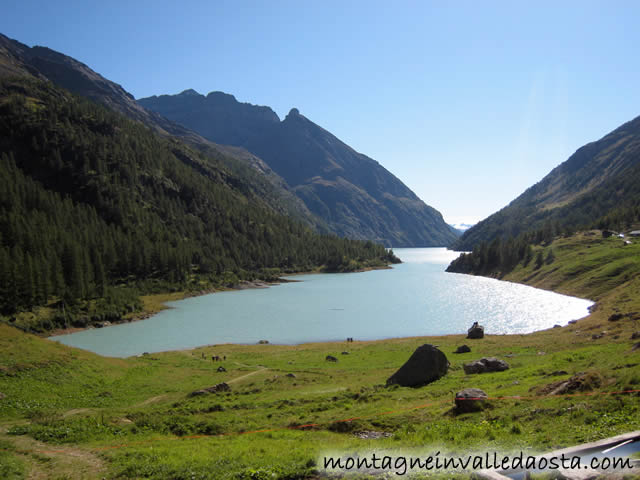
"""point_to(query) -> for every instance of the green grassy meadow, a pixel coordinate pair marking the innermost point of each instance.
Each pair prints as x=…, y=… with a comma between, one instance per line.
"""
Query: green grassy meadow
x=68, y=413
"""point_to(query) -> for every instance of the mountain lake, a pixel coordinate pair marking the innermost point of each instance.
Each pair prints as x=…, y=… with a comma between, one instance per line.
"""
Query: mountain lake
x=415, y=298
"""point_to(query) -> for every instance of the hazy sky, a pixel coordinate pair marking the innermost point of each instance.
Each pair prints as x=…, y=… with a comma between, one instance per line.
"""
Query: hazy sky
x=468, y=103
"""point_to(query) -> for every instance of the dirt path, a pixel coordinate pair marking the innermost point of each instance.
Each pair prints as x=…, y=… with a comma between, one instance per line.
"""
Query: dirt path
x=237, y=379
x=76, y=411
x=155, y=399
x=56, y=461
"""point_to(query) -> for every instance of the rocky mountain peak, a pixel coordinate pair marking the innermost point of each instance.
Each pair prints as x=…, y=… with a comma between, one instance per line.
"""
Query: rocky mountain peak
x=190, y=92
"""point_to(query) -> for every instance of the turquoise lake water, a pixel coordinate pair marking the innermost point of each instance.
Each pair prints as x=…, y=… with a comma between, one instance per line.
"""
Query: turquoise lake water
x=414, y=298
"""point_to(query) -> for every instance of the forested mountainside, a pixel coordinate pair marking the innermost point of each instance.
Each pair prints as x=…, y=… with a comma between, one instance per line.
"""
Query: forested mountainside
x=91, y=201
x=598, y=186
x=67, y=72
x=351, y=192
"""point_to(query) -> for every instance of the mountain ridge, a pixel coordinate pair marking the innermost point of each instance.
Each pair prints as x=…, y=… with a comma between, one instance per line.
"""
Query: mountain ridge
x=46, y=64
x=594, y=185
x=352, y=192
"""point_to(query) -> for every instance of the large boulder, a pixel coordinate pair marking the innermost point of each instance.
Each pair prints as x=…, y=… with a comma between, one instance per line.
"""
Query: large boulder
x=470, y=400
x=426, y=365
x=476, y=331
x=484, y=365
x=462, y=349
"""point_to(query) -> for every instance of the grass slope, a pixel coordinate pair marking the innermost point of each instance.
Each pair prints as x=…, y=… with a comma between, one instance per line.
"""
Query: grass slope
x=72, y=414
x=586, y=265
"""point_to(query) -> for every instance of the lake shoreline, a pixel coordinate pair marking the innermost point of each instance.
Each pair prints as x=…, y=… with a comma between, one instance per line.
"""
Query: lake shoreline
x=175, y=296
x=156, y=303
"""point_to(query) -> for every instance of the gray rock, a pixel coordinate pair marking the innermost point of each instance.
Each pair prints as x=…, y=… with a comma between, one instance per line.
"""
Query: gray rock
x=485, y=365
x=476, y=331
x=345, y=353
x=427, y=364
x=290, y=375
x=462, y=349
x=331, y=358
x=221, y=369
x=220, y=387
x=470, y=400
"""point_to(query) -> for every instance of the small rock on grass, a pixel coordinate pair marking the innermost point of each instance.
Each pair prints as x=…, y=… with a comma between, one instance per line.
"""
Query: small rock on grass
x=470, y=400
x=485, y=365
x=220, y=387
x=462, y=349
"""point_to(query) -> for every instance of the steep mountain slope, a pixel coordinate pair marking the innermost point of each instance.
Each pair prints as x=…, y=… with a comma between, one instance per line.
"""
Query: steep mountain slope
x=599, y=185
x=44, y=63
x=90, y=199
x=354, y=194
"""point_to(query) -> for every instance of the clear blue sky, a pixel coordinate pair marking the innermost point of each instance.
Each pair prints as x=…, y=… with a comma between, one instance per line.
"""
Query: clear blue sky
x=467, y=102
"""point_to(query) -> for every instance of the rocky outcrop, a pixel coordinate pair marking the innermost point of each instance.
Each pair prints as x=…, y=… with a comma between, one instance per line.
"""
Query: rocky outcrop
x=470, y=400
x=427, y=364
x=331, y=358
x=462, y=349
x=485, y=365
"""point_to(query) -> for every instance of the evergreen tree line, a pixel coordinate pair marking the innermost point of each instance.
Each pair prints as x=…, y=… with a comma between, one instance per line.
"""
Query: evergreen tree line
x=90, y=200
x=500, y=257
